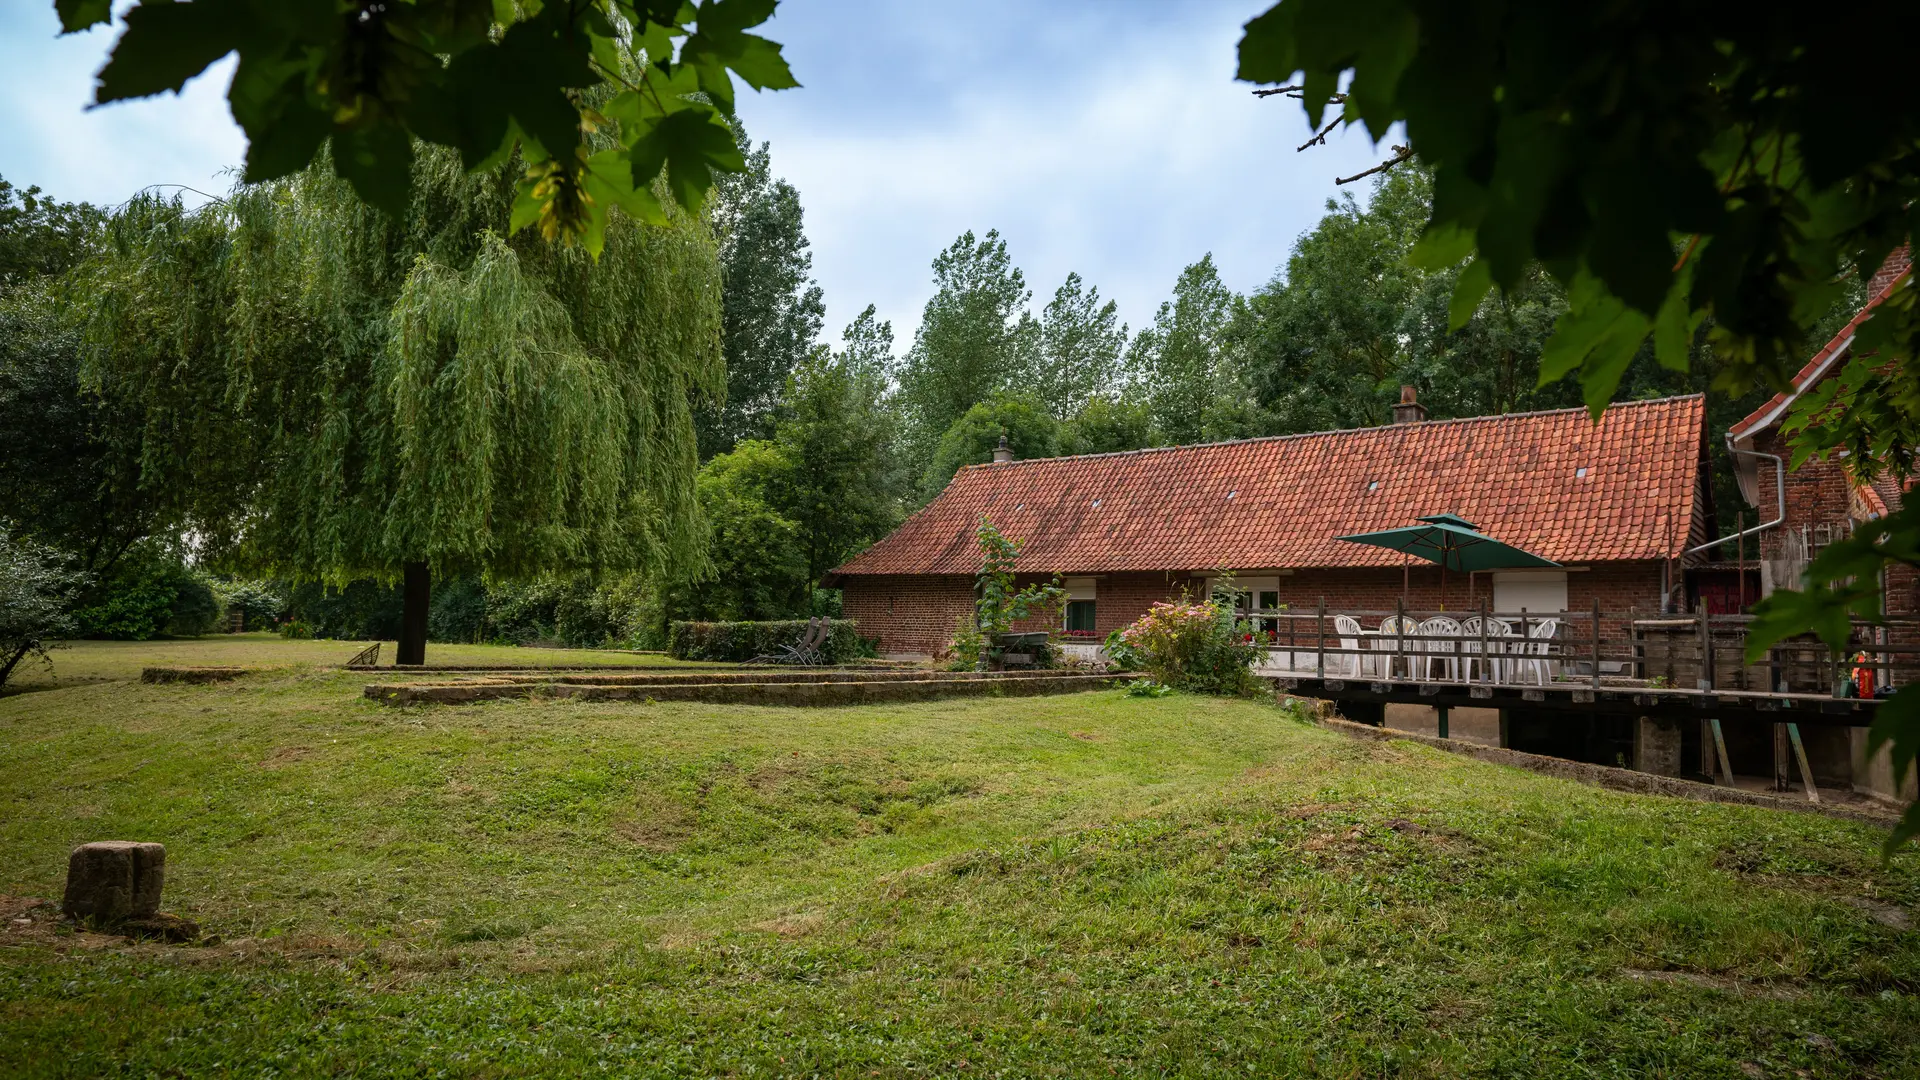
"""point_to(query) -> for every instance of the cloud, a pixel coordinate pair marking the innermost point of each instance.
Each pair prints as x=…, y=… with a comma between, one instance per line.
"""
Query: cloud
x=1101, y=136
x=103, y=155
x=1120, y=148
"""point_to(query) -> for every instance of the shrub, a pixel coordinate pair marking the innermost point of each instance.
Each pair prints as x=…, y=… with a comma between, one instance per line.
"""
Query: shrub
x=34, y=590
x=151, y=592
x=259, y=603
x=1195, y=646
x=736, y=642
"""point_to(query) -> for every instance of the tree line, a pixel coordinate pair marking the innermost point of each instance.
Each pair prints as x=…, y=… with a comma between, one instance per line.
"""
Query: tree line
x=287, y=387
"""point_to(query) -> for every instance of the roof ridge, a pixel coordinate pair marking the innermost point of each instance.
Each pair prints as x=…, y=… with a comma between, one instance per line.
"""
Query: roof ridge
x=1427, y=424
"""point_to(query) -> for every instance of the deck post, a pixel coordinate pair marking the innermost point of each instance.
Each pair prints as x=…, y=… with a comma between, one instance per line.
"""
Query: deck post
x=1596, y=643
x=1400, y=635
x=1705, y=681
x=1782, y=764
x=1806, y=773
x=1486, y=662
x=1441, y=712
x=1320, y=639
x=1720, y=744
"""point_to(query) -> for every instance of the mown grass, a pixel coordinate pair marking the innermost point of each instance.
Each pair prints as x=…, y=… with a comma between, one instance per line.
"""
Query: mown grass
x=1081, y=885
x=80, y=662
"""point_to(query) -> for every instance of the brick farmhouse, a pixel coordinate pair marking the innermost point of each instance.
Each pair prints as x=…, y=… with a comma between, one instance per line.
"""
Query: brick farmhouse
x=1617, y=504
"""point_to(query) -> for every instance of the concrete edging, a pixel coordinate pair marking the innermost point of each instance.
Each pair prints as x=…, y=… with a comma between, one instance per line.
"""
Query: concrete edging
x=1607, y=776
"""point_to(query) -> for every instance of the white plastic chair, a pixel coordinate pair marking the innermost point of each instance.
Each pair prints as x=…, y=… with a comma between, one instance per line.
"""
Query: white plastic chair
x=1347, y=629
x=1537, y=646
x=1491, y=659
x=1387, y=642
x=1446, y=653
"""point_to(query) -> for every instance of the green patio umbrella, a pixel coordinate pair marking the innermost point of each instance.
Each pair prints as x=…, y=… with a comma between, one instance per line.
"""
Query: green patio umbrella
x=1453, y=542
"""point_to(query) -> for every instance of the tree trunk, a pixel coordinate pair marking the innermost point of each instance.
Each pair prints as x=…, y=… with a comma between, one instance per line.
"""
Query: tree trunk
x=415, y=593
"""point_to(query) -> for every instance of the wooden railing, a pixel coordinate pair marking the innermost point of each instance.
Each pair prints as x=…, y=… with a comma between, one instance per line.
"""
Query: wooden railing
x=1593, y=647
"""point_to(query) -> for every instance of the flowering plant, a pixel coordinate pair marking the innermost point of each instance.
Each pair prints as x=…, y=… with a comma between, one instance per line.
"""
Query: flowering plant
x=1193, y=645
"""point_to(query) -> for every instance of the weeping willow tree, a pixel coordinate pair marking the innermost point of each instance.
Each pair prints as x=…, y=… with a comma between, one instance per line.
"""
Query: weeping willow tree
x=349, y=394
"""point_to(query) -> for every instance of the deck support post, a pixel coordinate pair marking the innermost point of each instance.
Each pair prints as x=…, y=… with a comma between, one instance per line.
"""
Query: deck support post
x=1800, y=752
x=1596, y=643
x=1400, y=636
x=1320, y=638
x=1720, y=744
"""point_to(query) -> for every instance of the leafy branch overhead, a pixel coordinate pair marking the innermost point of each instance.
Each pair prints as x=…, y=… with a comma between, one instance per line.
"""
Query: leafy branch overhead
x=606, y=100
x=1667, y=164
x=1678, y=168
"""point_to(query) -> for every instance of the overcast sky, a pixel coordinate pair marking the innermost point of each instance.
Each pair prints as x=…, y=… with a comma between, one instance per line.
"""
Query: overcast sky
x=1103, y=136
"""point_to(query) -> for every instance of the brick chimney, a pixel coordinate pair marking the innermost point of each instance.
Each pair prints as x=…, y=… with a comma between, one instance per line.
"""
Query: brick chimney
x=1002, y=453
x=1408, y=411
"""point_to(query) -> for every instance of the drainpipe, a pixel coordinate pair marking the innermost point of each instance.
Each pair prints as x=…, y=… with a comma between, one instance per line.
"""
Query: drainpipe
x=1779, y=491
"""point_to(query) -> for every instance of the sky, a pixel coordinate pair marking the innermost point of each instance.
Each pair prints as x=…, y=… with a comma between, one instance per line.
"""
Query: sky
x=1106, y=137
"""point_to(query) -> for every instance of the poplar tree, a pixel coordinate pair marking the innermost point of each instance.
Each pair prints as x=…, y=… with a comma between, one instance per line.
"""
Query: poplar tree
x=772, y=307
x=1180, y=359
x=976, y=337
x=1081, y=340
x=403, y=397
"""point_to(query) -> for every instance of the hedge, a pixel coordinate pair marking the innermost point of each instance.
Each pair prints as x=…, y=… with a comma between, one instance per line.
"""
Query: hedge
x=736, y=642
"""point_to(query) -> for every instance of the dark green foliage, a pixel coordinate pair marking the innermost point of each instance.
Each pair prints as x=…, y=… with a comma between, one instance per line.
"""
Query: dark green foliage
x=757, y=562
x=35, y=589
x=149, y=593
x=260, y=604
x=1030, y=430
x=1329, y=343
x=358, y=611
x=1105, y=425
x=602, y=99
x=841, y=487
x=459, y=611
x=737, y=642
x=771, y=309
x=70, y=468
x=574, y=611
x=41, y=237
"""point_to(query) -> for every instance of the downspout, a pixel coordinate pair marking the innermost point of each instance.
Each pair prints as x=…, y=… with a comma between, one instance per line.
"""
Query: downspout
x=1779, y=490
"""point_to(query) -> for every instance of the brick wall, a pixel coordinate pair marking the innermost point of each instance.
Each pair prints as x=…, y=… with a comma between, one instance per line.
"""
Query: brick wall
x=1817, y=493
x=916, y=614
x=910, y=614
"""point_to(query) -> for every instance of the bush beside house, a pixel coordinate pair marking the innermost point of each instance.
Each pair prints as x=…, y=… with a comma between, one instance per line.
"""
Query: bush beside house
x=737, y=642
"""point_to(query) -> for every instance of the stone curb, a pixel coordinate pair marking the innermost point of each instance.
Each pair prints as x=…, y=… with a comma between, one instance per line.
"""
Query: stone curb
x=815, y=693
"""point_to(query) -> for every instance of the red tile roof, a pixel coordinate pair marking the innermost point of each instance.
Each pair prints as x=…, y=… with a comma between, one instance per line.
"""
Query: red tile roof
x=1279, y=502
x=1891, y=275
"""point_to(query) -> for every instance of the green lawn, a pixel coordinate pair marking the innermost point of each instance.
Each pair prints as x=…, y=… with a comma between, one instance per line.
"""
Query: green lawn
x=1080, y=885
x=93, y=661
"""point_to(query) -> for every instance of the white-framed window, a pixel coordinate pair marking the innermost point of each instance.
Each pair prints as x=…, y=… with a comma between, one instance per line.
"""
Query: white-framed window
x=1082, y=594
x=1257, y=599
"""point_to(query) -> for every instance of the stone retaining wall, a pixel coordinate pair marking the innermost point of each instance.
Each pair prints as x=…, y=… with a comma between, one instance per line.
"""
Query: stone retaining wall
x=790, y=692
